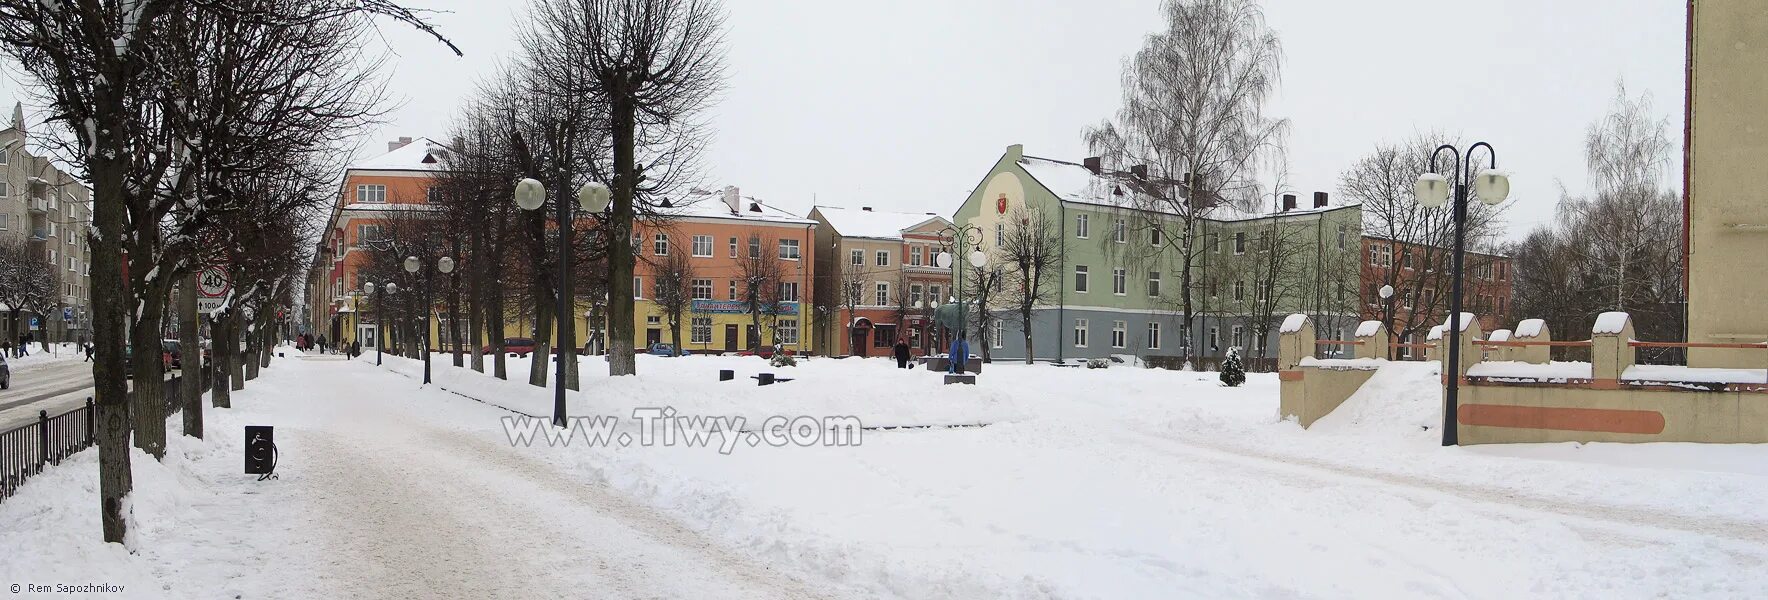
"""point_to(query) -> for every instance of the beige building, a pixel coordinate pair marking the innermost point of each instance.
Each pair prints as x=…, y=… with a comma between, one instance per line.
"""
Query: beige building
x=51, y=210
x=1726, y=204
x=876, y=280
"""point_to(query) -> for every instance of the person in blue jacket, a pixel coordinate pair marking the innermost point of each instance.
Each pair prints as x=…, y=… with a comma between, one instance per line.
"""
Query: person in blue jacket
x=960, y=355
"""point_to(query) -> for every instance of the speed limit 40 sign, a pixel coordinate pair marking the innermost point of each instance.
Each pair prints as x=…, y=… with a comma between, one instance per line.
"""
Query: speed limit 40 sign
x=211, y=285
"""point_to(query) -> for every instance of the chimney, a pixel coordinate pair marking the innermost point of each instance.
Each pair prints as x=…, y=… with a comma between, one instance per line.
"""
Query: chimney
x=1319, y=199
x=399, y=143
x=1140, y=172
x=732, y=199
x=866, y=208
x=1288, y=202
x=1093, y=164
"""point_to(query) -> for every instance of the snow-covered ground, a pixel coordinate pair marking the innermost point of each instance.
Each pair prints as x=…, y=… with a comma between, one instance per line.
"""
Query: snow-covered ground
x=1039, y=482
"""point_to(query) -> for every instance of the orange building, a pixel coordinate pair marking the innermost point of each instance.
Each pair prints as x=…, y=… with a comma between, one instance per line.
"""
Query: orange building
x=401, y=179
x=723, y=233
x=878, y=281
x=1421, y=280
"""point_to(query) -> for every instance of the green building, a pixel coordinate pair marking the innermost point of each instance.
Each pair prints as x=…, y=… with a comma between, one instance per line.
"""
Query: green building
x=1122, y=256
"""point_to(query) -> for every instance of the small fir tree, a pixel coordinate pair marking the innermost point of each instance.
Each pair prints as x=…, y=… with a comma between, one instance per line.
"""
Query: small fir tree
x=1232, y=373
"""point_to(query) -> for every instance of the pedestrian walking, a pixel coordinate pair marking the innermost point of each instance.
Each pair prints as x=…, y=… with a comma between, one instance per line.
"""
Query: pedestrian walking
x=901, y=349
x=24, y=342
x=322, y=343
x=355, y=348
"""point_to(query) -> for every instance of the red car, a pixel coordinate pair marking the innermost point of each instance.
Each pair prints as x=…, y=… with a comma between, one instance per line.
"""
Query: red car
x=514, y=346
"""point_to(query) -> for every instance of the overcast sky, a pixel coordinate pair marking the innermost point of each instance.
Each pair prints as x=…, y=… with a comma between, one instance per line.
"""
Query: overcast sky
x=904, y=105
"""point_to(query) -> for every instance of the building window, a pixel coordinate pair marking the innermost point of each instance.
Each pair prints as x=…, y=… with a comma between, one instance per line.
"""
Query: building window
x=1000, y=234
x=754, y=246
x=653, y=320
x=1120, y=333
x=857, y=258
x=1119, y=231
x=702, y=289
x=1215, y=339
x=1080, y=333
x=1153, y=284
x=433, y=194
x=1239, y=242
x=1080, y=226
x=660, y=246
x=883, y=258
x=914, y=256
x=1153, y=335
x=995, y=333
x=1119, y=282
x=883, y=295
x=933, y=296
x=1239, y=290
x=703, y=246
x=638, y=287
x=1344, y=235
x=789, y=249
x=1381, y=255
x=368, y=233
x=371, y=193
x=1215, y=242
x=733, y=247
x=1154, y=235
x=700, y=330
x=788, y=331
x=788, y=291
x=3, y=187
x=883, y=336
x=915, y=294
x=1080, y=278
x=733, y=295
x=1239, y=336
x=1406, y=258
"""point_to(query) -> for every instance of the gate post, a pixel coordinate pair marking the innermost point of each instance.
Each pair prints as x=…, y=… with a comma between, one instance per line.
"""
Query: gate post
x=42, y=439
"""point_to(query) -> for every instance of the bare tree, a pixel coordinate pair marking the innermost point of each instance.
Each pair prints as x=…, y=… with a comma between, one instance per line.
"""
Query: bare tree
x=1193, y=102
x=28, y=283
x=983, y=293
x=1032, y=252
x=674, y=293
x=760, y=273
x=851, y=287
x=655, y=65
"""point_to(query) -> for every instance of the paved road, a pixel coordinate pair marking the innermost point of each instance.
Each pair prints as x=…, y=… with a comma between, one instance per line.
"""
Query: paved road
x=55, y=386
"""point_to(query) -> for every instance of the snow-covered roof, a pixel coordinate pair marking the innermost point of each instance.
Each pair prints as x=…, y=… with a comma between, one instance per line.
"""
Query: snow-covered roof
x=1529, y=328
x=1293, y=323
x=871, y=223
x=1611, y=322
x=711, y=205
x=1368, y=328
x=422, y=154
x=1074, y=182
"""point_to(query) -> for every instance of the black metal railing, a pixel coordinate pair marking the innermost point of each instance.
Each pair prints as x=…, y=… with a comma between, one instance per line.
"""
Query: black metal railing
x=25, y=450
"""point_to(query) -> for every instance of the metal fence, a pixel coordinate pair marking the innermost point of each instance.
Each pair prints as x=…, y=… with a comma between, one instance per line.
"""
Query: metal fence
x=26, y=449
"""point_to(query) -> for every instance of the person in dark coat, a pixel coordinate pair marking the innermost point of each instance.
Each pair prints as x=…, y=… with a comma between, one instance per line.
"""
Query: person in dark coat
x=901, y=349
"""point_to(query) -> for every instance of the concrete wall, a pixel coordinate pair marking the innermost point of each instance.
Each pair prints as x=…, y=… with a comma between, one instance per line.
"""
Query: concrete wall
x=1728, y=210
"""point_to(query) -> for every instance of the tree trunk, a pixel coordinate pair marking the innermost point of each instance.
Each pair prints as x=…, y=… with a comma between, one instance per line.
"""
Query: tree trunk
x=111, y=391
x=149, y=403
x=476, y=299
x=543, y=324
x=494, y=330
x=190, y=360
x=623, y=114
x=221, y=392
x=235, y=356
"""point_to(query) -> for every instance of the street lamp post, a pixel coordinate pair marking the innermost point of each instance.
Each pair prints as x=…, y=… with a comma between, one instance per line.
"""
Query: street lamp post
x=413, y=265
x=1433, y=191
x=380, y=314
x=957, y=238
x=593, y=197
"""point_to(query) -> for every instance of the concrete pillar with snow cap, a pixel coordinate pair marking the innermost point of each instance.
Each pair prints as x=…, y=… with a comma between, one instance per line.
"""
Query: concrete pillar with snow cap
x=1532, y=330
x=1611, y=352
x=1469, y=333
x=1295, y=340
x=1372, y=340
x=1497, y=352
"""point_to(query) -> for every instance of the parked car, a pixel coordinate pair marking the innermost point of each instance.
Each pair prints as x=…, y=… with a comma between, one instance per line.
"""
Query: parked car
x=174, y=348
x=5, y=373
x=517, y=347
x=764, y=352
x=129, y=363
x=667, y=350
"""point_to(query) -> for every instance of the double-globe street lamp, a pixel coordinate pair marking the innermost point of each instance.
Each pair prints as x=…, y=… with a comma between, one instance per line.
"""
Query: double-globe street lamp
x=1433, y=191
x=413, y=265
x=956, y=239
x=380, y=314
x=593, y=197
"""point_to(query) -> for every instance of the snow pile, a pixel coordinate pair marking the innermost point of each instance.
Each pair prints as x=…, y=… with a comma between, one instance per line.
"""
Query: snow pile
x=1609, y=323
x=1397, y=400
x=1519, y=371
x=1677, y=373
x=1499, y=335
x=1530, y=328
x=1293, y=323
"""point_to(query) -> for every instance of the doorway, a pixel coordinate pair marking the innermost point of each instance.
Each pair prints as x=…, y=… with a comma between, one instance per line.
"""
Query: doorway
x=653, y=336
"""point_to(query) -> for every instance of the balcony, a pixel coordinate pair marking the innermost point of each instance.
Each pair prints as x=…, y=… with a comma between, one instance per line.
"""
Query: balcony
x=37, y=205
x=39, y=234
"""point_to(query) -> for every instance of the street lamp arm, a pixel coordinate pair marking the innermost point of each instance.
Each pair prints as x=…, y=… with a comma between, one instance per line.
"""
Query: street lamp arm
x=1452, y=152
